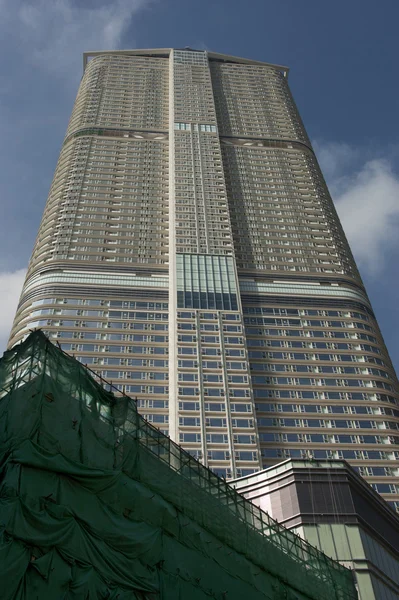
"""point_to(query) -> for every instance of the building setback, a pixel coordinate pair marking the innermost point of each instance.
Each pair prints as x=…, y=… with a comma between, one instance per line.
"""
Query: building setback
x=190, y=252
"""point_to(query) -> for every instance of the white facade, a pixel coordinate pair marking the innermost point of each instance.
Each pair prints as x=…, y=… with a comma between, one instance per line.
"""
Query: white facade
x=190, y=253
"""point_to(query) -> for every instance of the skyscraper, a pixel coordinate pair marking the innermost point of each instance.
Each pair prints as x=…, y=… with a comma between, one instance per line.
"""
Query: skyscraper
x=190, y=252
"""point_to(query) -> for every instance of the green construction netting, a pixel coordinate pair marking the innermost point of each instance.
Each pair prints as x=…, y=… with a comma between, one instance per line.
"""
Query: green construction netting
x=95, y=503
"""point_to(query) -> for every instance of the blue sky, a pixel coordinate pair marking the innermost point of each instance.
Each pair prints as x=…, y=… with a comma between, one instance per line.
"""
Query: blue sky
x=343, y=60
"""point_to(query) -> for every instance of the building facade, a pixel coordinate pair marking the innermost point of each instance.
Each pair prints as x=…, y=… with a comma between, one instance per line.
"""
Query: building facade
x=190, y=252
x=331, y=507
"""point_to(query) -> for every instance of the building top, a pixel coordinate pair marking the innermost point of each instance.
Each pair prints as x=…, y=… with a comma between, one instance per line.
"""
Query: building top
x=165, y=52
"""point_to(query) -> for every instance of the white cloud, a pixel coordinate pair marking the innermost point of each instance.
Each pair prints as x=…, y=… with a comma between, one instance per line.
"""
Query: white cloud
x=10, y=290
x=369, y=211
x=54, y=34
x=366, y=195
x=335, y=158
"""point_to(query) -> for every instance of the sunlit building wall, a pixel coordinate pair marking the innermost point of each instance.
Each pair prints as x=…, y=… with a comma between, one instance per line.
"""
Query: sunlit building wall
x=190, y=252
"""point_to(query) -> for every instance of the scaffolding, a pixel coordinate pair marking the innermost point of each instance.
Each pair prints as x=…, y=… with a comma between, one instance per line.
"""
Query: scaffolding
x=97, y=503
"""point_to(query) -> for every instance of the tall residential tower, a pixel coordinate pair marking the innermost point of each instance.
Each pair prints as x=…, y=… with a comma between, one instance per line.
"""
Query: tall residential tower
x=190, y=252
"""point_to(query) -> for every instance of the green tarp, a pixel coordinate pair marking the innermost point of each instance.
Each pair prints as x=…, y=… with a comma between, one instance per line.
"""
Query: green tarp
x=95, y=503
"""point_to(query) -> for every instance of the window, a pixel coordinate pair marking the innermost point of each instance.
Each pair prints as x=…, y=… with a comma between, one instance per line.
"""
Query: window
x=183, y=126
